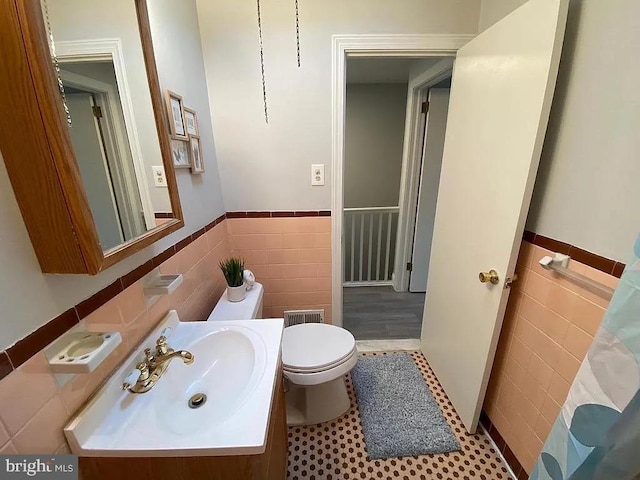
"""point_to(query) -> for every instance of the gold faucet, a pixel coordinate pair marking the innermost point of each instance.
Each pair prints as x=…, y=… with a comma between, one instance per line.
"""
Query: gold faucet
x=153, y=366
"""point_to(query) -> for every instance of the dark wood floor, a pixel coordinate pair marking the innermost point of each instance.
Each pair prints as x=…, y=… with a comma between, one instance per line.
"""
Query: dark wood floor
x=380, y=313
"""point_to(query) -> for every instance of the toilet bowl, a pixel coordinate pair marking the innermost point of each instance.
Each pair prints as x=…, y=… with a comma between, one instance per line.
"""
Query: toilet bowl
x=315, y=359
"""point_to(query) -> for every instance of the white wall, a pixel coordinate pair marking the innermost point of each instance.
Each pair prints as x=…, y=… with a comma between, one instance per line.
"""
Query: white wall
x=267, y=167
x=493, y=10
x=29, y=298
x=374, y=132
x=587, y=190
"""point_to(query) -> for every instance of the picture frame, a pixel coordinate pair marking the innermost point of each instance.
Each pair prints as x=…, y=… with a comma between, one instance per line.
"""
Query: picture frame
x=195, y=155
x=175, y=112
x=191, y=122
x=180, y=154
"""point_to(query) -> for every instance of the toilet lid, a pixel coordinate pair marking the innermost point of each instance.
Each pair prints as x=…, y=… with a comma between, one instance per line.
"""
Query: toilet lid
x=312, y=346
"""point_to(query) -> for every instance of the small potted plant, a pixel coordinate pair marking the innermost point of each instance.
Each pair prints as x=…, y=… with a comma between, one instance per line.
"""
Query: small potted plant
x=233, y=271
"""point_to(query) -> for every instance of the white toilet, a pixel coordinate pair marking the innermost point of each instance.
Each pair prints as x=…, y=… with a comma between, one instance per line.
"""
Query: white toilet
x=315, y=358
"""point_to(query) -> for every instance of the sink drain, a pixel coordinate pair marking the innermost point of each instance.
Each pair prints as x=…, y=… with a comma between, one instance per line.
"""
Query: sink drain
x=197, y=400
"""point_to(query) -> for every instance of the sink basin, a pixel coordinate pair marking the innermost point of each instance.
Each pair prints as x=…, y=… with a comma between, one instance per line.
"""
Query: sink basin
x=226, y=370
x=217, y=405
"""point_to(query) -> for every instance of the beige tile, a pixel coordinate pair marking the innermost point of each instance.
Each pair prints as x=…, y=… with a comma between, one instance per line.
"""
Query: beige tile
x=577, y=342
x=501, y=423
x=534, y=392
x=285, y=257
x=76, y=392
x=8, y=449
x=545, y=348
x=538, y=287
x=322, y=240
x=43, y=433
x=4, y=436
x=559, y=388
x=542, y=428
x=105, y=319
x=540, y=370
x=527, y=411
x=25, y=391
x=567, y=366
x=131, y=302
x=531, y=309
x=525, y=331
x=587, y=315
x=520, y=352
x=561, y=301
x=315, y=255
x=552, y=325
x=515, y=371
x=299, y=240
x=550, y=410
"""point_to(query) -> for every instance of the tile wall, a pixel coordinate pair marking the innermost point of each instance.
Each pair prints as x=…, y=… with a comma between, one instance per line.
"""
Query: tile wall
x=34, y=409
x=548, y=328
x=290, y=256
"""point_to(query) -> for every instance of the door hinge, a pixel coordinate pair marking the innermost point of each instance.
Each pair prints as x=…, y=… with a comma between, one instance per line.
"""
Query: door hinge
x=97, y=111
x=409, y=266
x=425, y=107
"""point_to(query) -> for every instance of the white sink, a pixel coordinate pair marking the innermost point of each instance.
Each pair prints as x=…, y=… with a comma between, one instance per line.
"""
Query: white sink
x=235, y=366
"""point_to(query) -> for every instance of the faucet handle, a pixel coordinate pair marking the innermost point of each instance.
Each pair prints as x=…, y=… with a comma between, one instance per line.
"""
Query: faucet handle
x=131, y=379
x=161, y=345
x=141, y=372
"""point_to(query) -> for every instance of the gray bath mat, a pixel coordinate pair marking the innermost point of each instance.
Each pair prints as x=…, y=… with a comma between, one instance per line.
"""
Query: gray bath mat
x=399, y=415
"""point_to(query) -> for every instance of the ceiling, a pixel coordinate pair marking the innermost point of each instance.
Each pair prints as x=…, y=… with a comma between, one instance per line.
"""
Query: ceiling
x=383, y=69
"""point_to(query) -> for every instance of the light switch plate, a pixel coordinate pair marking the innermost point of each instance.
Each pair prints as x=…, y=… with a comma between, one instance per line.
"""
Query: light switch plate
x=159, y=177
x=317, y=174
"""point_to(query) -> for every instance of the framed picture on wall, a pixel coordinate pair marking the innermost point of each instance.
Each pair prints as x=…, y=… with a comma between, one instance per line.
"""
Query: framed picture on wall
x=180, y=154
x=195, y=155
x=175, y=110
x=191, y=122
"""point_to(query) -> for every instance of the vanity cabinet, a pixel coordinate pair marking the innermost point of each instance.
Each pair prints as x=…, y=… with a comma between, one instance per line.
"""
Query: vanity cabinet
x=270, y=465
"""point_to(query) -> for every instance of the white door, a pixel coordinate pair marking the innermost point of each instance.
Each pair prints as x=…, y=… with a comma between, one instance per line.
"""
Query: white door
x=436, y=125
x=501, y=92
x=92, y=163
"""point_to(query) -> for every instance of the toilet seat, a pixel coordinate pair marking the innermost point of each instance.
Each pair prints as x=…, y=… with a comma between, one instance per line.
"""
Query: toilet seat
x=335, y=364
x=316, y=347
x=317, y=353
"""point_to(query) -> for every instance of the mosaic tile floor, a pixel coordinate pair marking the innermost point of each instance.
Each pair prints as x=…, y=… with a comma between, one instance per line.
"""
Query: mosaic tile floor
x=336, y=450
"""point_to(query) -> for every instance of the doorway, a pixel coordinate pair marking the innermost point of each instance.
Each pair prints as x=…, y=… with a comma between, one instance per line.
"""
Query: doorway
x=386, y=233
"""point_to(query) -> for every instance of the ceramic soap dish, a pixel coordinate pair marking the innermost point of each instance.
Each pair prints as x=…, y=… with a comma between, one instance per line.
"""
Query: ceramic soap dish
x=82, y=352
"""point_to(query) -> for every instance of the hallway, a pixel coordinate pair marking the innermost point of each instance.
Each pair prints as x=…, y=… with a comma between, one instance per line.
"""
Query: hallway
x=380, y=313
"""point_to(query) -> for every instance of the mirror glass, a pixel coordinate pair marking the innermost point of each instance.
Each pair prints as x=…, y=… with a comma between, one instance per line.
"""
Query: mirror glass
x=111, y=121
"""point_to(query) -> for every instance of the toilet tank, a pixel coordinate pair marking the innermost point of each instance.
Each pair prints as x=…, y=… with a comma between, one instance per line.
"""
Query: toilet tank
x=250, y=307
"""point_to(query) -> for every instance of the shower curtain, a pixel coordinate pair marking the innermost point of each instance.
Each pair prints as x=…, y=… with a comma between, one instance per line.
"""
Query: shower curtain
x=597, y=433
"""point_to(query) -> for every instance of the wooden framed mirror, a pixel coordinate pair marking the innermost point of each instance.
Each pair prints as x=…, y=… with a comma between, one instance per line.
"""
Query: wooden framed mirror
x=83, y=137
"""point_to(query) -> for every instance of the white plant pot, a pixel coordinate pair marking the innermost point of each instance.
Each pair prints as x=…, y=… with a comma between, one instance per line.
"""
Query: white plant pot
x=236, y=294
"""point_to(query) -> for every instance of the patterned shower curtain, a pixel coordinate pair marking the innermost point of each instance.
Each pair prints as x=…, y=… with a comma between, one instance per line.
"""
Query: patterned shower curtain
x=597, y=433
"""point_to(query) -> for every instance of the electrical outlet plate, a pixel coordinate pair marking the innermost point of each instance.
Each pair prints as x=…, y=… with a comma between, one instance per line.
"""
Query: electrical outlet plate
x=317, y=174
x=159, y=177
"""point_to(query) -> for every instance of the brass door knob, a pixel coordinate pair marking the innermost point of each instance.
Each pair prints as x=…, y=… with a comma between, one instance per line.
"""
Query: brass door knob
x=489, y=277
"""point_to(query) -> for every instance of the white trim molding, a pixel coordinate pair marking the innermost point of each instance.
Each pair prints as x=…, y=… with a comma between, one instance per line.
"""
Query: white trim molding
x=411, y=165
x=111, y=49
x=366, y=46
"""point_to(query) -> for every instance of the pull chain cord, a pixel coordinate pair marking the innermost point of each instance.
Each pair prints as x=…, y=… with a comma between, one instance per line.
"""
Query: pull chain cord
x=264, y=84
x=298, y=32
x=56, y=64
